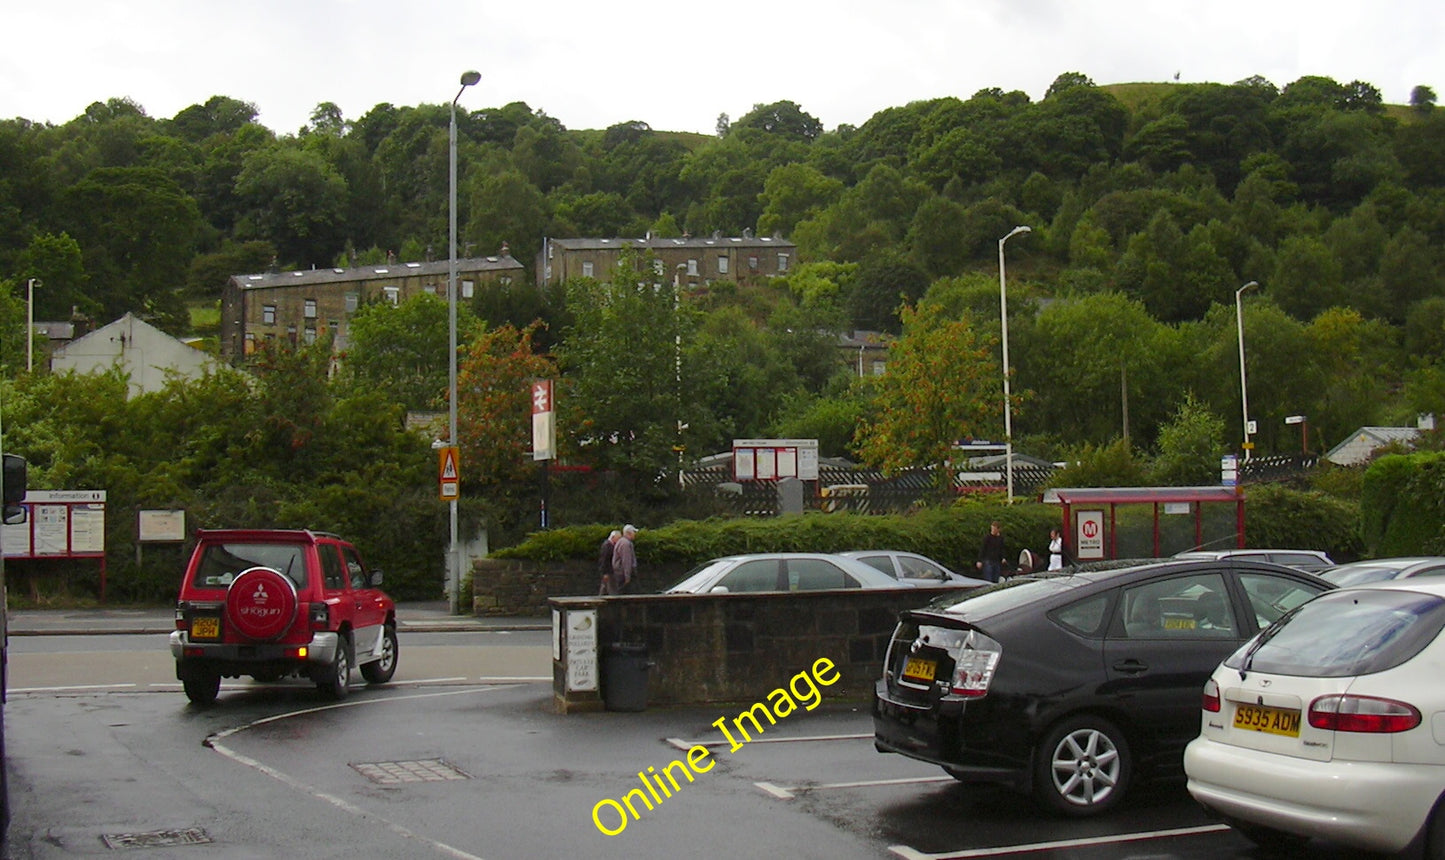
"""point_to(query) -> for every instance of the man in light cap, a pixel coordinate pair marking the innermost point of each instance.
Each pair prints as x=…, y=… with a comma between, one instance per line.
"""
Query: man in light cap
x=624, y=560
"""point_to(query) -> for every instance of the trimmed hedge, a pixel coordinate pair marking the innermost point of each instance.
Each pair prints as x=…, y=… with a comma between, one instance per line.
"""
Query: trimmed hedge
x=1275, y=517
x=951, y=536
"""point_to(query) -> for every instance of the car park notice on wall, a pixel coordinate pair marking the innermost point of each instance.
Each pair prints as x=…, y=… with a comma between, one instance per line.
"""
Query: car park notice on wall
x=581, y=645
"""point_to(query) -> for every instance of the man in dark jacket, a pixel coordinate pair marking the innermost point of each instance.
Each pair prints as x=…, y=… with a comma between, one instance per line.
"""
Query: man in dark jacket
x=604, y=563
x=990, y=557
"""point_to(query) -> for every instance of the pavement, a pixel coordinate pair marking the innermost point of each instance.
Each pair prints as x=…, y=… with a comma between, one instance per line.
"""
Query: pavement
x=413, y=617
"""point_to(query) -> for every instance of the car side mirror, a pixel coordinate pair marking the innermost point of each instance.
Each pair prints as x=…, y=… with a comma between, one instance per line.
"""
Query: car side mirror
x=14, y=490
x=718, y=589
x=376, y=578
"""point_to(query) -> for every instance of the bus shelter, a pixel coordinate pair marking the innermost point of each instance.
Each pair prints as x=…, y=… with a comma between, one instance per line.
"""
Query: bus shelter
x=1149, y=522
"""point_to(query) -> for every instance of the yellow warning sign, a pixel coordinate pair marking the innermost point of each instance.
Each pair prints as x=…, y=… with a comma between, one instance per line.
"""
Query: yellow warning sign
x=449, y=480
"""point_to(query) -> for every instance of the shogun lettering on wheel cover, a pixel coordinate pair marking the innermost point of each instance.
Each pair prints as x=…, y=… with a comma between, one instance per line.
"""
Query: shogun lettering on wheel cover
x=261, y=603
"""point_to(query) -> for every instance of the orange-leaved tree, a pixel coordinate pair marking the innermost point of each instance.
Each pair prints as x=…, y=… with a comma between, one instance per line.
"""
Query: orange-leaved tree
x=942, y=385
x=495, y=372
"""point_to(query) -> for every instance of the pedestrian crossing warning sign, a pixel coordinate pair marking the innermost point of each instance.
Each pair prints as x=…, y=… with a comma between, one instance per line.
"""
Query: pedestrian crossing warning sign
x=449, y=481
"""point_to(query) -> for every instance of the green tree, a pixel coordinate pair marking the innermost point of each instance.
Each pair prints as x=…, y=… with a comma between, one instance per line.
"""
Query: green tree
x=621, y=397
x=401, y=350
x=294, y=200
x=494, y=406
x=1190, y=444
x=939, y=389
x=1422, y=98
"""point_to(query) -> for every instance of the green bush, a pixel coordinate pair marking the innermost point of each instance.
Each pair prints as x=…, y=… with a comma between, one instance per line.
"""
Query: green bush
x=1403, y=505
x=1277, y=516
x=950, y=535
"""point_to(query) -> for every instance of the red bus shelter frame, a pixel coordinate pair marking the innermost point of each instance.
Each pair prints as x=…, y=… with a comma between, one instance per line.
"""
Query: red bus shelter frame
x=1112, y=497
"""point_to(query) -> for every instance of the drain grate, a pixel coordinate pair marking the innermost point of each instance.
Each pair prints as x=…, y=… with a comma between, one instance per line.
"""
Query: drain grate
x=398, y=772
x=156, y=838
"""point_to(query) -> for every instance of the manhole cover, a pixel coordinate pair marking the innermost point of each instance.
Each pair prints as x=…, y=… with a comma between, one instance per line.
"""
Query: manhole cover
x=156, y=838
x=398, y=772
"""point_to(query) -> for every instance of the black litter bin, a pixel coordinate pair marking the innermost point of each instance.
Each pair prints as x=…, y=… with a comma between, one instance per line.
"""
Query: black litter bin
x=624, y=677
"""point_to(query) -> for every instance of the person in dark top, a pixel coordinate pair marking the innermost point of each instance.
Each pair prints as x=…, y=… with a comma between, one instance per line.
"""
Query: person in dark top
x=604, y=563
x=990, y=557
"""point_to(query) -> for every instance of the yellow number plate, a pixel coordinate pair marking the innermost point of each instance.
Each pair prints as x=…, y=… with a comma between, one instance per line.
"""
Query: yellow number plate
x=1274, y=721
x=915, y=669
x=205, y=628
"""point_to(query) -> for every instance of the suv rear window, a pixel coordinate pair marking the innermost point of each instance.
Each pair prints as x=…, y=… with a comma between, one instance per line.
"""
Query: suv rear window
x=221, y=563
x=1345, y=633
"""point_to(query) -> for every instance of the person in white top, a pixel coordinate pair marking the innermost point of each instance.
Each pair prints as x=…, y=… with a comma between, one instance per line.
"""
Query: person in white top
x=1056, y=550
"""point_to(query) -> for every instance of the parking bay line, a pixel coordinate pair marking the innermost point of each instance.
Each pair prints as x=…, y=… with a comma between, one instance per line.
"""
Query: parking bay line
x=789, y=792
x=907, y=853
x=683, y=745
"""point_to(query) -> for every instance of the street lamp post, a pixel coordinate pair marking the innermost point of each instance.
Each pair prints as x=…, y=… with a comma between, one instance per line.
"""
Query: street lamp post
x=1243, y=385
x=30, y=286
x=1008, y=428
x=453, y=566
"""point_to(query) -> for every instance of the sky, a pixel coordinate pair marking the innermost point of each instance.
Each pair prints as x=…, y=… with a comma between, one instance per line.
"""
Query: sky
x=678, y=65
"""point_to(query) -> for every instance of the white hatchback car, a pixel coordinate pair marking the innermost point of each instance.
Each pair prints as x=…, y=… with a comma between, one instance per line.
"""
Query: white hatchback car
x=1331, y=724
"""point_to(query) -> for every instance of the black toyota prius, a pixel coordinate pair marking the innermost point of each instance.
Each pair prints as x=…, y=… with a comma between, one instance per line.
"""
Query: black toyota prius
x=1072, y=685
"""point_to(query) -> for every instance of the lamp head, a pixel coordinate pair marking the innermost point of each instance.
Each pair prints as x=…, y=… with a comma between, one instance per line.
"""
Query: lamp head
x=470, y=78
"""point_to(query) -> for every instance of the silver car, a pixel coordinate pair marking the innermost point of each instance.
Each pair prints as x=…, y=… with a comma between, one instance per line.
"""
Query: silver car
x=1381, y=569
x=781, y=571
x=911, y=568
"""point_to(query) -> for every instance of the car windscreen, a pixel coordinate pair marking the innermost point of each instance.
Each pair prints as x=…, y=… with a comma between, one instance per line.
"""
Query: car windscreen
x=1360, y=574
x=221, y=563
x=1344, y=633
x=992, y=600
x=699, y=575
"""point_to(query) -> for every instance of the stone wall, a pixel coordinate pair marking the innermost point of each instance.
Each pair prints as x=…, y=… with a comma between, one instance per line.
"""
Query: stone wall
x=737, y=648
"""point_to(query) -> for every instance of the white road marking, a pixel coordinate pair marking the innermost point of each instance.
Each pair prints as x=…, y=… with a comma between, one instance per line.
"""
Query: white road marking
x=681, y=744
x=70, y=689
x=792, y=791
x=907, y=853
x=214, y=742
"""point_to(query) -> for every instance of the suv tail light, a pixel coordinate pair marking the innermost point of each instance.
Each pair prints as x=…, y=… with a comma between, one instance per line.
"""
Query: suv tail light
x=181, y=615
x=973, y=671
x=1211, y=697
x=320, y=616
x=1342, y=712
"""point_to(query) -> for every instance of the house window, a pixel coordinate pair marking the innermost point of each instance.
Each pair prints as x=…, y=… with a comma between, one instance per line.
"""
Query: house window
x=429, y=289
x=393, y=294
x=753, y=262
x=692, y=268
x=782, y=262
x=586, y=273
x=309, y=335
x=880, y=367
x=468, y=289
x=505, y=280
x=657, y=267
x=722, y=264
x=310, y=309
x=268, y=314
x=333, y=328
x=291, y=334
x=353, y=300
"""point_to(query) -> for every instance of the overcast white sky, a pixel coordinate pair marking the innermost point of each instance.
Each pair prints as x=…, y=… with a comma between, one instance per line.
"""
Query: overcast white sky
x=678, y=65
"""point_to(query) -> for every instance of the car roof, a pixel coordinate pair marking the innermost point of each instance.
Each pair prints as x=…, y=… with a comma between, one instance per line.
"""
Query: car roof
x=1425, y=584
x=1118, y=572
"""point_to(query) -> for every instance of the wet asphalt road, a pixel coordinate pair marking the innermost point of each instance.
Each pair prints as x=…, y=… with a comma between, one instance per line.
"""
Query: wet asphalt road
x=430, y=767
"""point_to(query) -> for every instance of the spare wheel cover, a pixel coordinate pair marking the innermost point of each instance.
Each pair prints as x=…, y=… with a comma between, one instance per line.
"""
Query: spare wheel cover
x=261, y=603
